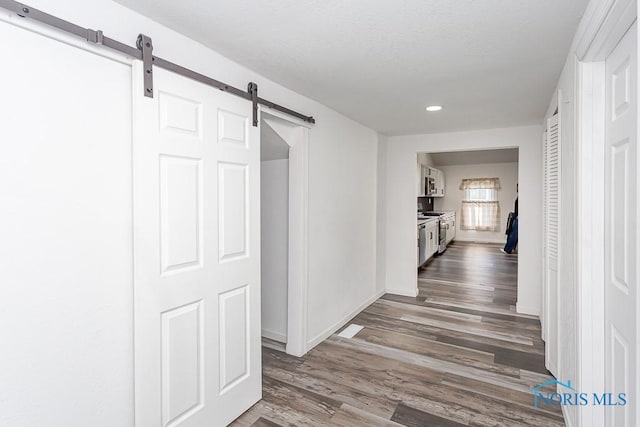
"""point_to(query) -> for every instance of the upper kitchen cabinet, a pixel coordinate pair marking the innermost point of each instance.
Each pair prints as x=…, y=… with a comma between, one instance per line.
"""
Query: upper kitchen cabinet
x=430, y=182
x=423, y=174
x=438, y=182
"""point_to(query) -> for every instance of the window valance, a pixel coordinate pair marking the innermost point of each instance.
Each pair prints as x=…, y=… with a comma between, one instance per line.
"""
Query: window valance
x=480, y=183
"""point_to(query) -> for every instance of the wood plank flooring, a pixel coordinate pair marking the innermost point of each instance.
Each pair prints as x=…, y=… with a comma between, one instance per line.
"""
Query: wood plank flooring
x=456, y=355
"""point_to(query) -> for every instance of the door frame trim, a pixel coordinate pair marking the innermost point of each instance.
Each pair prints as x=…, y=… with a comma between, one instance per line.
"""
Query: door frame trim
x=297, y=137
x=608, y=23
x=590, y=237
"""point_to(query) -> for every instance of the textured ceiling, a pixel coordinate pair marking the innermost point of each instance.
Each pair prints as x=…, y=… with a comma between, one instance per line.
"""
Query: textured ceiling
x=479, y=157
x=490, y=63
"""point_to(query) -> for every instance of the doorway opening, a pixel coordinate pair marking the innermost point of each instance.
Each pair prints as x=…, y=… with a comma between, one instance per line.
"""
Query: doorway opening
x=466, y=202
x=274, y=233
x=284, y=213
x=467, y=287
x=476, y=188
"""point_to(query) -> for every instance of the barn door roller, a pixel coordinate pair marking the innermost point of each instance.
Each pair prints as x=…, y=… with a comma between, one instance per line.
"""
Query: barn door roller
x=253, y=91
x=144, y=52
x=146, y=46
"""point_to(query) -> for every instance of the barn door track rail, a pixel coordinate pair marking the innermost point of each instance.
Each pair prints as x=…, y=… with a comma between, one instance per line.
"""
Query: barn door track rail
x=144, y=52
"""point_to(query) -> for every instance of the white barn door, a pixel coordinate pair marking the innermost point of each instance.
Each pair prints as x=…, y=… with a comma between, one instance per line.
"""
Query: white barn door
x=621, y=230
x=196, y=254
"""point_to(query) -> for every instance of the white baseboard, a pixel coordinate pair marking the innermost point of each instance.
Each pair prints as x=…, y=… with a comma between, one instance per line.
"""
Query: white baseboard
x=333, y=328
x=403, y=292
x=523, y=309
x=276, y=336
x=492, y=241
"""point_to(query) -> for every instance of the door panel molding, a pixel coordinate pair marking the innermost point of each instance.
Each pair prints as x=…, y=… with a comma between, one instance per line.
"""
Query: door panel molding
x=196, y=254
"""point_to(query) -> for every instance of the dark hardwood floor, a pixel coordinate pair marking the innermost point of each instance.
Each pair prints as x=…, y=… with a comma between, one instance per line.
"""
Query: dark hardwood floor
x=458, y=354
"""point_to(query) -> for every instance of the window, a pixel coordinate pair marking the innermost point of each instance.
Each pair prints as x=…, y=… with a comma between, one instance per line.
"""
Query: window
x=480, y=207
x=480, y=195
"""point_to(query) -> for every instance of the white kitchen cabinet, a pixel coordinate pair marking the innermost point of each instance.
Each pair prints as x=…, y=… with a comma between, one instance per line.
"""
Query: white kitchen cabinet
x=439, y=184
x=423, y=173
x=450, y=220
x=453, y=226
x=432, y=238
x=438, y=177
x=427, y=248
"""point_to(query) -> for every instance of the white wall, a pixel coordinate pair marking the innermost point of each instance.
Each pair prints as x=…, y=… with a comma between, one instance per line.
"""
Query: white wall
x=66, y=322
x=342, y=228
x=401, y=275
x=452, y=201
x=274, y=230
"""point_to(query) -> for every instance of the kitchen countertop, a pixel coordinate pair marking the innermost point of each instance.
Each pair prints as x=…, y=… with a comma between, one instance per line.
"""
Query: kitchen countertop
x=436, y=215
x=443, y=212
x=424, y=220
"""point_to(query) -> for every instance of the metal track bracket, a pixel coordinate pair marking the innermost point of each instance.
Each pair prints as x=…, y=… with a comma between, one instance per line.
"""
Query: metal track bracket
x=253, y=92
x=95, y=36
x=145, y=44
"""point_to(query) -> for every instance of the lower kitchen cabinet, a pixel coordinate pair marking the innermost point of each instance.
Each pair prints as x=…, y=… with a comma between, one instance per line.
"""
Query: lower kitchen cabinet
x=427, y=240
x=432, y=236
x=451, y=232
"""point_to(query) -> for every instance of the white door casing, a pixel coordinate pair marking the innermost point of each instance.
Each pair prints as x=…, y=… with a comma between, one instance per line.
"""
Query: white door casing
x=296, y=135
x=551, y=210
x=612, y=21
x=196, y=254
x=621, y=238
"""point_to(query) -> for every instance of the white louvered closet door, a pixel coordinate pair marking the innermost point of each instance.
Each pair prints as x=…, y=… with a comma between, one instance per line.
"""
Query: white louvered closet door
x=544, y=316
x=551, y=242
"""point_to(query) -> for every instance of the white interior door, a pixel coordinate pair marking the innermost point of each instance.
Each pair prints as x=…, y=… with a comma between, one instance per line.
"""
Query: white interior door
x=65, y=231
x=196, y=254
x=551, y=241
x=621, y=237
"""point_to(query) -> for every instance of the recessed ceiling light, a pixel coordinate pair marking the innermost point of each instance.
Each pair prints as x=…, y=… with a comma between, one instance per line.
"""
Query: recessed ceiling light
x=432, y=108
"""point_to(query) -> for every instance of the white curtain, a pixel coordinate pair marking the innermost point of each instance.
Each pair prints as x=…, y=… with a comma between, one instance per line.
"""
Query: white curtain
x=481, y=216
x=480, y=208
